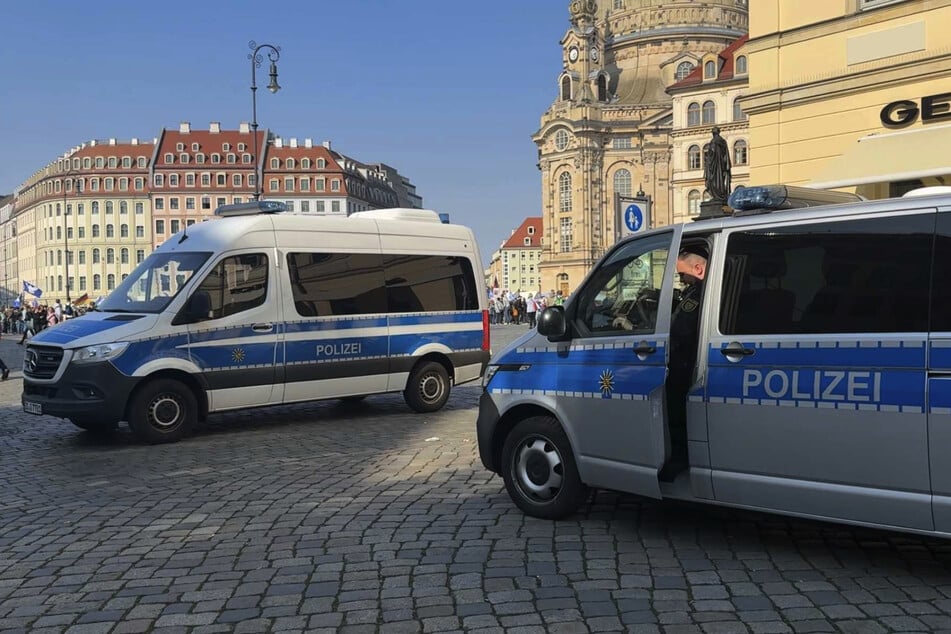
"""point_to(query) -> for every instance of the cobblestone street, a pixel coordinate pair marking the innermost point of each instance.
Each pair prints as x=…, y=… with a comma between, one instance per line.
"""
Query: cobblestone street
x=368, y=517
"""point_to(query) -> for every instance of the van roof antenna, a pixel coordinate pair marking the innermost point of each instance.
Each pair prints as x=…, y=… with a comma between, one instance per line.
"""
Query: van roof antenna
x=184, y=234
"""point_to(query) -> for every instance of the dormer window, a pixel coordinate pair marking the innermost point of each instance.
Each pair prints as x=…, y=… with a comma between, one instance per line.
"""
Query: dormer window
x=321, y=163
x=710, y=70
x=126, y=161
x=183, y=158
x=305, y=163
x=531, y=231
x=100, y=163
x=225, y=147
x=215, y=158
x=527, y=242
x=290, y=163
x=242, y=147
x=179, y=147
x=195, y=147
x=169, y=158
x=200, y=158
x=683, y=69
x=275, y=163
x=741, y=65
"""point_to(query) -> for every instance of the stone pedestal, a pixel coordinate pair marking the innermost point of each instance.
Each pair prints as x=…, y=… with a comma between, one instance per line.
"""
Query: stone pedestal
x=712, y=209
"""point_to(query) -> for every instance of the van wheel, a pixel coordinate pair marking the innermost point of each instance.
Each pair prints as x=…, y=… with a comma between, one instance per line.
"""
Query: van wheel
x=539, y=469
x=163, y=411
x=94, y=427
x=428, y=387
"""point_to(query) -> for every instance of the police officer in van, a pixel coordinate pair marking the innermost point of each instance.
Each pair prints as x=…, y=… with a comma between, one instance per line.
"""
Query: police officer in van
x=684, y=339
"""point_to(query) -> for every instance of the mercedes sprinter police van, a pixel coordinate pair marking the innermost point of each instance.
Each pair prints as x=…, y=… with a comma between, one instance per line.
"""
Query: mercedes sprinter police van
x=822, y=381
x=263, y=308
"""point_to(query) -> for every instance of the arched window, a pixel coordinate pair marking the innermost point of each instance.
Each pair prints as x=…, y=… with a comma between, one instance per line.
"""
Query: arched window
x=741, y=154
x=693, y=157
x=741, y=65
x=59, y=232
x=693, y=114
x=100, y=163
x=110, y=231
x=565, y=88
x=709, y=113
x=290, y=163
x=59, y=282
x=95, y=231
x=95, y=255
x=564, y=192
x=59, y=257
x=710, y=70
x=110, y=282
x=602, y=88
x=305, y=163
x=683, y=69
x=622, y=182
x=321, y=163
x=618, y=4
x=96, y=282
x=693, y=202
x=123, y=231
x=738, y=114
x=109, y=207
x=110, y=256
x=275, y=163
x=124, y=256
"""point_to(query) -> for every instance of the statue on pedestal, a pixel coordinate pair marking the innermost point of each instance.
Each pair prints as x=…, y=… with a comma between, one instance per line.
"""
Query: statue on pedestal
x=717, y=168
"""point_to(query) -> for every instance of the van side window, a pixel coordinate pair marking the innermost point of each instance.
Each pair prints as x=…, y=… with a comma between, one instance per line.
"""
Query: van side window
x=622, y=295
x=237, y=283
x=333, y=284
x=854, y=276
x=429, y=283
x=941, y=285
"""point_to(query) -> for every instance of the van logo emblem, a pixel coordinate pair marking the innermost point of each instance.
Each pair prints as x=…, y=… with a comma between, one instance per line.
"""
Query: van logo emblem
x=237, y=355
x=607, y=383
x=30, y=361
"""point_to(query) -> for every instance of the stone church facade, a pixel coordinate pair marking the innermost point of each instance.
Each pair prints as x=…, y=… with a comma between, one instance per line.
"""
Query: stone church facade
x=608, y=133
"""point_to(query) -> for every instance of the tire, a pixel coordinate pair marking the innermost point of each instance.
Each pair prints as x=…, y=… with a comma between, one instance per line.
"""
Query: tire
x=95, y=427
x=539, y=469
x=428, y=387
x=163, y=411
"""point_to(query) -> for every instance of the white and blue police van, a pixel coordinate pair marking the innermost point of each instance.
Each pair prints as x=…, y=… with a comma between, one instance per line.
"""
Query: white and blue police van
x=263, y=308
x=820, y=383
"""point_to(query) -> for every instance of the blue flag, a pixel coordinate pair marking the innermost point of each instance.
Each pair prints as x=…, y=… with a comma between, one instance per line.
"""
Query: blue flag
x=33, y=290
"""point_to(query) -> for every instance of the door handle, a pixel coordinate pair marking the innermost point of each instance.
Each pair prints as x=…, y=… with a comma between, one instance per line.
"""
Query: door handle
x=262, y=327
x=735, y=350
x=644, y=348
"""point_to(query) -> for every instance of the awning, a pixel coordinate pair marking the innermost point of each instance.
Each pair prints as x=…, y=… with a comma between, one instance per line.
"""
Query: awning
x=889, y=157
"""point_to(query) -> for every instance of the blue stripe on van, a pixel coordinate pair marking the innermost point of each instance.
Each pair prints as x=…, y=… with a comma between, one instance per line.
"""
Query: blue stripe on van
x=581, y=380
x=439, y=318
x=940, y=355
x=319, y=324
x=141, y=352
x=870, y=354
x=407, y=344
x=592, y=353
x=319, y=350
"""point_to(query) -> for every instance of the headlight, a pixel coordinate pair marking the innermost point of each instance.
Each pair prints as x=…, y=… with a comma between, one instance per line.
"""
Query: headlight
x=102, y=352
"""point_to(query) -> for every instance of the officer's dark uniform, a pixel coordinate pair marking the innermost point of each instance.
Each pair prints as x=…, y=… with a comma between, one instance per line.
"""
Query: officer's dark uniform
x=684, y=337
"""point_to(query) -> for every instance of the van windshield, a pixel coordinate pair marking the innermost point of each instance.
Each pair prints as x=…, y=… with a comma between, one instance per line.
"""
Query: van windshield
x=154, y=283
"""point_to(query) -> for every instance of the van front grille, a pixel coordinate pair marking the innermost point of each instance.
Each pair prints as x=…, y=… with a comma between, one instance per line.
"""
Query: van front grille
x=42, y=362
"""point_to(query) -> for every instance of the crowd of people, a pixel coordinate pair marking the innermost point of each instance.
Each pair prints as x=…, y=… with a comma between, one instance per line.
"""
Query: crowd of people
x=27, y=320
x=509, y=307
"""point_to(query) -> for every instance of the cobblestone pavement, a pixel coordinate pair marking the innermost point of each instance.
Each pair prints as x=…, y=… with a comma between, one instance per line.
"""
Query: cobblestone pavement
x=367, y=517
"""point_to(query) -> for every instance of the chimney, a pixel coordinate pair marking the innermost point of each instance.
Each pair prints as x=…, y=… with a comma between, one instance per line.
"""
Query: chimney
x=244, y=127
x=308, y=143
x=293, y=141
x=215, y=127
x=93, y=142
x=326, y=144
x=135, y=141
x=184, y=127
x=278, y=142
x=112, y=141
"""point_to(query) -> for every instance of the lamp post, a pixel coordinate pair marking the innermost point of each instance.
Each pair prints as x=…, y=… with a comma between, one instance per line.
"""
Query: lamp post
x=67, y=178
x=273, y=54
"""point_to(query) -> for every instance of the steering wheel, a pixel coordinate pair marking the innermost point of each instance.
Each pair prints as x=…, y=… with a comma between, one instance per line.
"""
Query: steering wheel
x=640, y=312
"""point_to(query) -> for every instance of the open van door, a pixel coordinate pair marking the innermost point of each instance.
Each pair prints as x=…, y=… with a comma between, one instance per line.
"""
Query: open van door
x=612, y=373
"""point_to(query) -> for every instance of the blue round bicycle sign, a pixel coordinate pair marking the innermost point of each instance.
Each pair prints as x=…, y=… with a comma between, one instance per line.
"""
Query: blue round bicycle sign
x=633, y=218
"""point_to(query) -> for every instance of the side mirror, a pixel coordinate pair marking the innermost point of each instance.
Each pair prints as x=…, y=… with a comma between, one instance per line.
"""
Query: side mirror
x=552, y=323
x=196, y=309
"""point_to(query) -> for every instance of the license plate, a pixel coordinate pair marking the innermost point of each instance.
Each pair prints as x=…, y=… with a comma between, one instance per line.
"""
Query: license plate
x=32, y=408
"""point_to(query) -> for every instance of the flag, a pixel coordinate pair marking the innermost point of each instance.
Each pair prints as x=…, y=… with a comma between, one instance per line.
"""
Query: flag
x=82, y=299
x=33, y=290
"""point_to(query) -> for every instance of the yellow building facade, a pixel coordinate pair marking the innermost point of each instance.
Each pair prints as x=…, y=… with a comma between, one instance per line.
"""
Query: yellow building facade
x=850, y=95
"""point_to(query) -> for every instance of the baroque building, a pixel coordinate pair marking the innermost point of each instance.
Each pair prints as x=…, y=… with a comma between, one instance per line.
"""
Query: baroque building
x=608, y=134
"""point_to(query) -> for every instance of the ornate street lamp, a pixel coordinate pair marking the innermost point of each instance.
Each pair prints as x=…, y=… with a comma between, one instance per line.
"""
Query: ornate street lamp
x=273, y=54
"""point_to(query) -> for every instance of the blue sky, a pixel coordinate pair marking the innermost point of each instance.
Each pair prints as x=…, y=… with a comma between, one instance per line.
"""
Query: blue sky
x=447, y=91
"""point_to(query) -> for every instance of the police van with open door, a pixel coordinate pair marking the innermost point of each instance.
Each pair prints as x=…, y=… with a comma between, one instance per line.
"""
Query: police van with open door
x=263, y=308
x=822, y=382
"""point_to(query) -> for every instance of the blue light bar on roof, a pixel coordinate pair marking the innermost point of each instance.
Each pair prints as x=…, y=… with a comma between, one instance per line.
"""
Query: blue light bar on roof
x=779, y=197
x=251, y=208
